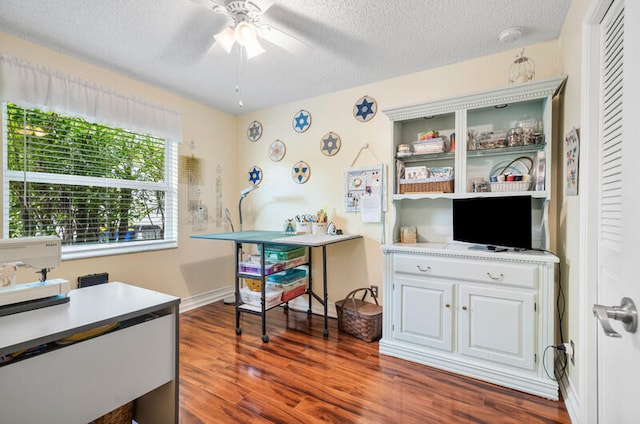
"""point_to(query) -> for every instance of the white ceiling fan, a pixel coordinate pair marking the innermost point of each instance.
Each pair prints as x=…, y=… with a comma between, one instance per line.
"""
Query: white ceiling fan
x=245, y=28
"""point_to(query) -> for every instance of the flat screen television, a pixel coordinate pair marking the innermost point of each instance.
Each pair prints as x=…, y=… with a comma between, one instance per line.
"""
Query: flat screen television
x=495, y=223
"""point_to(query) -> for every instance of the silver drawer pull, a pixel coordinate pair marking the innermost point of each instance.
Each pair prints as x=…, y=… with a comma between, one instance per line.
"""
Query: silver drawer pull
x=495, y=278
x=427, y=269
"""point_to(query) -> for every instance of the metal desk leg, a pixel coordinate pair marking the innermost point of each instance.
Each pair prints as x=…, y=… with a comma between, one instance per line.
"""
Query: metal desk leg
x=310, y=283
x=263, y=300
x=237, y=287
x=326, y=295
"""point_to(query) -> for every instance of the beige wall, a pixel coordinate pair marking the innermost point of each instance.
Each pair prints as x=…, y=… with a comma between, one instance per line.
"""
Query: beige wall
x=570, y=49
x=196, y=266
x=357, y=263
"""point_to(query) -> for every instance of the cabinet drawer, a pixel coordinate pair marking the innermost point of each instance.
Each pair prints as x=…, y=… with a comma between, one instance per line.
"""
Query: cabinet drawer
x=427, y=266
x=498, y=272
x=512, y=274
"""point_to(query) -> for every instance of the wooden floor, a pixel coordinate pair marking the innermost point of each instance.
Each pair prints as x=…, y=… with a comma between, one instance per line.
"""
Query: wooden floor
x=302, y=377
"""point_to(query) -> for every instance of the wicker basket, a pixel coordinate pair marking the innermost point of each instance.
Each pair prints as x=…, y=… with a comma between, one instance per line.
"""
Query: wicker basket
x=121, y=415
x=510, y=186
x=359, y=318
x=445, y=186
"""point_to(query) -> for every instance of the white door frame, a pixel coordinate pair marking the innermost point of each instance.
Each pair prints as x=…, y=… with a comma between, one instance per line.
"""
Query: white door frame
x=588, y=325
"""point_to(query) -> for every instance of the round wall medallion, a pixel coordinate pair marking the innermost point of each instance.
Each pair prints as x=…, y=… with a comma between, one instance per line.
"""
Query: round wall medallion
x=277, y=151
x=254, y=131
x=365, y=108
x=300, y=172
x=301, y=121
x=255, y=175
x=330, y=144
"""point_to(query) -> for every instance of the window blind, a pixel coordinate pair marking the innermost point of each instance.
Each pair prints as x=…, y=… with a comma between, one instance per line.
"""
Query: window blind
x=99, y=188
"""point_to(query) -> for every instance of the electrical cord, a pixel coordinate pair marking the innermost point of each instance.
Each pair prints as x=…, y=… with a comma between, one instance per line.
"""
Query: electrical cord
x=560, y=372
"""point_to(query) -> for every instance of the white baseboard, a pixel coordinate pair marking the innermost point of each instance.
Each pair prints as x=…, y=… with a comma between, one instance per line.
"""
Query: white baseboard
x=298, y=304
x=302, y=304
x=193, y=302
x=571, y=401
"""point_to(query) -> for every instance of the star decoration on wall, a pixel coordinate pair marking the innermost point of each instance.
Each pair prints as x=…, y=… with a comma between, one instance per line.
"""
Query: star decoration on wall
x=255, y=175
x=300, y=172
x=254, y=132
x=302, y=121
x=330, y=144
x=277, y=151
x=365, y=109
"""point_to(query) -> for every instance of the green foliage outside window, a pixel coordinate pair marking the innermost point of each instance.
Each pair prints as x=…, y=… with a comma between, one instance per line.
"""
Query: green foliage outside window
x=85, y=182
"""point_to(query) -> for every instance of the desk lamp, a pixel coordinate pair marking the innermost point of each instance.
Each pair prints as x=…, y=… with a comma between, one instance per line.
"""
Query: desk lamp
x=244, y=194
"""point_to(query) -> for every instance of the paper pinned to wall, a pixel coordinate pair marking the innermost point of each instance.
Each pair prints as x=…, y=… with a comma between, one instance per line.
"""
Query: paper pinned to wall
x=371, y=207
x=363, y=182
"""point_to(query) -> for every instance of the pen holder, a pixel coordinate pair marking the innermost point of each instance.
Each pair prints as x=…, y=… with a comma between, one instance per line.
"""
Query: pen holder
x=319, y=228
x=303, y=227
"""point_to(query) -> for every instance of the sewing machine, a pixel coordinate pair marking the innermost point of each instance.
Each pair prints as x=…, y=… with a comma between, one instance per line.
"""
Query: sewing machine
x=42, y=254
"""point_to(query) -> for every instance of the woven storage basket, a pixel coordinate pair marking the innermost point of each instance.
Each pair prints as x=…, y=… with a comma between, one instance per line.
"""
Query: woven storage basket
x=121, y=415
x=427, y=187
x=359, y=318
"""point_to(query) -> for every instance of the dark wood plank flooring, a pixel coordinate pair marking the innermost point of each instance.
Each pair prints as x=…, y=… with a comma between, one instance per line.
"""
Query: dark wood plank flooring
x=302, y=377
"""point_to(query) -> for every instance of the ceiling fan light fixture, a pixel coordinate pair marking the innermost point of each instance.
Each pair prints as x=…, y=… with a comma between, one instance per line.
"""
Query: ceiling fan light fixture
x=253, y=48
x=245, y=33
x=226, y=39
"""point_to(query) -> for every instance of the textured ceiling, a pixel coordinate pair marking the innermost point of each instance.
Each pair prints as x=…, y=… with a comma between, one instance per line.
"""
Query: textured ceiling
x=169, y=43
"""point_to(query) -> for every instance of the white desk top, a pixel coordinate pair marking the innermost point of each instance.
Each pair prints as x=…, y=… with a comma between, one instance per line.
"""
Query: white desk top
x=89, y=307
x=316, y=240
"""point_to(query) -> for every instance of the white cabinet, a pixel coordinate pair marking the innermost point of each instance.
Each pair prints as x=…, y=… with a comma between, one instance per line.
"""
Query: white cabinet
x=79, y=382
x=498, y=134
x=424, y=314
x=497, y=325
x=486, y=315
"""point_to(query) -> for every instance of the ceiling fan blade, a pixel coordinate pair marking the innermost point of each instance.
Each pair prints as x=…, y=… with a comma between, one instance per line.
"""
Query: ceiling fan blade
x=263, y=5
x=280, y=39
x=212, y=5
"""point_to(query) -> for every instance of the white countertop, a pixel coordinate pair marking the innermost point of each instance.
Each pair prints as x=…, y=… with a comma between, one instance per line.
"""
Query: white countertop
x=471, y=251
x=88, y=307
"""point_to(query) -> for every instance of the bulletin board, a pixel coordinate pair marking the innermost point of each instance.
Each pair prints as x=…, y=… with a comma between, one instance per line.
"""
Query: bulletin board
x=364, y=183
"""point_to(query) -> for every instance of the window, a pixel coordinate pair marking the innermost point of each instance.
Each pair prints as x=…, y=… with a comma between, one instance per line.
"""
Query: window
x=102, y=190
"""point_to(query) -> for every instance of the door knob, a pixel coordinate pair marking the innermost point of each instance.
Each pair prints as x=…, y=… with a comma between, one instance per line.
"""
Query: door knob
x=626, y=312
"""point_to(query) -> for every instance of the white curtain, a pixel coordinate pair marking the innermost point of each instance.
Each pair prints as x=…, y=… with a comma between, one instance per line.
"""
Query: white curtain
x=34, y=86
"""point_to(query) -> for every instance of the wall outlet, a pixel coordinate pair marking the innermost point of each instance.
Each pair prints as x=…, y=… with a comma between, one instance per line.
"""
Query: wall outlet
x=374, y=290
x=570, y=351
x=572, y=356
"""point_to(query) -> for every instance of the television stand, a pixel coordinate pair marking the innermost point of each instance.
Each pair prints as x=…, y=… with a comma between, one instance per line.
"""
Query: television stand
x=472, y=312
x=492, y=248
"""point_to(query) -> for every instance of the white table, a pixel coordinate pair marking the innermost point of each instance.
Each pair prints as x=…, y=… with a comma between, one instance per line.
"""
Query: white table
x=263, y=238
x=80, y=382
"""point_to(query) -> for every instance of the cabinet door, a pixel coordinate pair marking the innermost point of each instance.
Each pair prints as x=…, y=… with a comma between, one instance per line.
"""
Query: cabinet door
x=422, y=312
x=498, y=325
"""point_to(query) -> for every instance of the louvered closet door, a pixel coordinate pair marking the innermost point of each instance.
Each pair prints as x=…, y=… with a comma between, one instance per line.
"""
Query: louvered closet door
x=618, y=229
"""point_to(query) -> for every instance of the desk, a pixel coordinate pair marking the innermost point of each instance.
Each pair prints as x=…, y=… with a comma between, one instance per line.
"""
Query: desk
x=265, y=238
x=80, y=382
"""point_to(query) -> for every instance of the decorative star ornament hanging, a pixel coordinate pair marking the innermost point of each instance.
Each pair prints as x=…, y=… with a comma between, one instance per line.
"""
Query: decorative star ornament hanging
x=330, y=144
x=300, y=172
x=365, y=109
x=302, y=121
x=255, y=175
x=254, y=132
x=277, y=151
